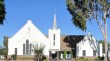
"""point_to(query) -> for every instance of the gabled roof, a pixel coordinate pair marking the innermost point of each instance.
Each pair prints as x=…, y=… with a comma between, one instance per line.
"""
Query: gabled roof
x=69, y=42
x=29, y=29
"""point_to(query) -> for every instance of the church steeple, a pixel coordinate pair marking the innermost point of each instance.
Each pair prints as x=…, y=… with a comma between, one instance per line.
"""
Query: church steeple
x=54, y=35
x=54, y=21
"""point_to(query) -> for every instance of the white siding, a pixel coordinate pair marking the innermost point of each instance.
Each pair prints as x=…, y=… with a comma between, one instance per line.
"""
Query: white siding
x=30, y=32
x=57, y=38
x=89, y=46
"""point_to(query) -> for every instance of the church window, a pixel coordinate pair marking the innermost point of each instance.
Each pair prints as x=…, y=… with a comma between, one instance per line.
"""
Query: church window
x=23, y=49
x=27, y=47
x=16, y=51
x=84, y=52
x=53, y=43
x=54, y=37
x=94, y=52
x=30, y=47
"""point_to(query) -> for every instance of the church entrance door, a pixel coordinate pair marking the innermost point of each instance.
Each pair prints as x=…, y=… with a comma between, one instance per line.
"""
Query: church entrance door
x=54, y=55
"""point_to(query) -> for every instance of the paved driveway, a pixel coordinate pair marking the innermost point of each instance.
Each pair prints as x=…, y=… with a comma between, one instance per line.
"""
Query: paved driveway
x=53, y=60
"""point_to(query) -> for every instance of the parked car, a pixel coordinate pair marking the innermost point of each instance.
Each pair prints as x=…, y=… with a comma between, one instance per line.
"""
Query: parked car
x=1, y=57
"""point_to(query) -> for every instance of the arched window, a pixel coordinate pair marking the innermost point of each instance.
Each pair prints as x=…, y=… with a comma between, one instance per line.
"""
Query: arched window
x=16, y=51
x=23, y=49
x=27, y=47
x=54, y=39
x=30, y=48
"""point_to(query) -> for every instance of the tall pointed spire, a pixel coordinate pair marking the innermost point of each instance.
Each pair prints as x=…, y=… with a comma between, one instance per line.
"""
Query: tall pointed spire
x=54, y=21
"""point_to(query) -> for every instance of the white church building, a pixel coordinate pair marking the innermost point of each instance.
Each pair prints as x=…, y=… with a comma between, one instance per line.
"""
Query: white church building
x=55, y=43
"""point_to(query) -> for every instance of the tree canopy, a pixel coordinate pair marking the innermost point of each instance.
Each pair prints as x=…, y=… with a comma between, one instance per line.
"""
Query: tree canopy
x=5, y=42
x=2, y=11
x=84, y=10
x=103, y=46
x=87, y=10
x=5, y=49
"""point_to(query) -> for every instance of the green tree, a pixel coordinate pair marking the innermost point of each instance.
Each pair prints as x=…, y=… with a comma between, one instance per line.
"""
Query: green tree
x=88, y=10
x=108, y=45
x=103, y=46
x=38, y=53
x=2, y=11
x=1, y=50
x=5, y=43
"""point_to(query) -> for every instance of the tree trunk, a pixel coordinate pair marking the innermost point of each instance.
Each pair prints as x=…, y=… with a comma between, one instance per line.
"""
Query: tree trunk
x=106, y=36
x=106, y=42
x=38, y=58
x=106, y=49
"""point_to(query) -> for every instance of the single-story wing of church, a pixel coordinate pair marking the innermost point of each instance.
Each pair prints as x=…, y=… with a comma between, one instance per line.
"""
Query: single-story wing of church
x=55, y=43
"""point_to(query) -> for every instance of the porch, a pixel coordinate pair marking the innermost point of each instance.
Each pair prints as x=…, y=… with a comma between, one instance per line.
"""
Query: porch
x=56, y=55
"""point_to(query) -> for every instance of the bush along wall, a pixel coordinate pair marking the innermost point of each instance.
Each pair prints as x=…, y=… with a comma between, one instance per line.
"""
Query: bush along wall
x=14, y=56
x=64, y=55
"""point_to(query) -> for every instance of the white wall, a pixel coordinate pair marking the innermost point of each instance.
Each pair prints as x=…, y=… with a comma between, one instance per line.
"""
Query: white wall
x=101, y=51
x=30, y=32
x=89, y=46
x=85, y=46
x=57, y=38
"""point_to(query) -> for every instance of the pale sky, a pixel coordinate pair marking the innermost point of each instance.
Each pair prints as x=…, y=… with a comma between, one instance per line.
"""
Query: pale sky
x=41, y=12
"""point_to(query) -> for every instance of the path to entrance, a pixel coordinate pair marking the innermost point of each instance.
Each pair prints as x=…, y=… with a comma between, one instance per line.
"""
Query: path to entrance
x=60, y=60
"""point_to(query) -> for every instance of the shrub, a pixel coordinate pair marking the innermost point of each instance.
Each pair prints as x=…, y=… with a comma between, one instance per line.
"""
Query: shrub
x=84, y=59
x=97, y=58
x=14, y=56
x=45, y=60
x=102, y=58
x=43, y=57
x=38, y=52
x=81, y=58
x=64, y=55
